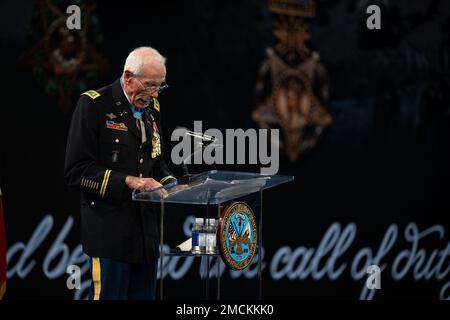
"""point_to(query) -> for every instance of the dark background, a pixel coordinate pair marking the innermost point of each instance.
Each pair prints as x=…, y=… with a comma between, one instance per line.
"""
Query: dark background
x=384, y=160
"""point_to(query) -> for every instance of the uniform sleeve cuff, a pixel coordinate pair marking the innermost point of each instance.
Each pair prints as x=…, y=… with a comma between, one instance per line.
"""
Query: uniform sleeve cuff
x=113, y=185
x=167, y=179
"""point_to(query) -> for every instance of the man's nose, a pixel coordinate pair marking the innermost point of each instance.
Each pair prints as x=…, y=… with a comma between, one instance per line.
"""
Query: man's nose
x=154, y=94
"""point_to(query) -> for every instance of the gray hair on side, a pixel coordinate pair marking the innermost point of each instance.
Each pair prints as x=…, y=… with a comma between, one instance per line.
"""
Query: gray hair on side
x=141, y=55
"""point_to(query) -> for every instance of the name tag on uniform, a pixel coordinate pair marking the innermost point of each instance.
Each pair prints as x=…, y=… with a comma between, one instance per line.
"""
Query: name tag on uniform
x=116, y=126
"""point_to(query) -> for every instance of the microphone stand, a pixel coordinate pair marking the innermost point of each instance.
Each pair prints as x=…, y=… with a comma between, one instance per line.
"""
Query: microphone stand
x=186, y=175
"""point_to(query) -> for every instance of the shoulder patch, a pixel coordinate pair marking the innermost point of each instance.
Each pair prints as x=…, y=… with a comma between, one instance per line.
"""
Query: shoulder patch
x=92, y=94
x=156, y=104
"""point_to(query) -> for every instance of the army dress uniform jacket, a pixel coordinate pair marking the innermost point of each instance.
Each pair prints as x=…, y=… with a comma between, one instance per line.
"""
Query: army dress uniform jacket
x=104, y=146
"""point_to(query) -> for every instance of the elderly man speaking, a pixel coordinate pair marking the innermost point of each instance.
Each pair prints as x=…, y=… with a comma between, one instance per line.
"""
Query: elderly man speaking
x=114, y=146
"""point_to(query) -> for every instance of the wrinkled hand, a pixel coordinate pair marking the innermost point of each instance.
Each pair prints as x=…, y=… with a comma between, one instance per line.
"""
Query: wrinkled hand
x=143, y=184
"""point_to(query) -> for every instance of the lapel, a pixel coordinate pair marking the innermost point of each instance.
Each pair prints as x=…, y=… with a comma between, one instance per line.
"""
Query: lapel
x=122, y=108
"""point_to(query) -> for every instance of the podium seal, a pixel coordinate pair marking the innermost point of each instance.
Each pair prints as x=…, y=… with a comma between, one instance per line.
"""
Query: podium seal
x=237, y=235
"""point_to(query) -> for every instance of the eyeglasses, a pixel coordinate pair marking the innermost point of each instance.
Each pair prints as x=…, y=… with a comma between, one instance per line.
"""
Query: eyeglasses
x=152, y=88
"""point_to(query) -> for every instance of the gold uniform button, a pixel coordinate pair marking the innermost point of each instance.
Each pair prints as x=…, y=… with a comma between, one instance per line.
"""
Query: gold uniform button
x=117, y=140
x=141, y=161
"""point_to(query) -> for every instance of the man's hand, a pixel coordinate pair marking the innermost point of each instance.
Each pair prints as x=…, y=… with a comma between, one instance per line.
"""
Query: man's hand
x=142, y=184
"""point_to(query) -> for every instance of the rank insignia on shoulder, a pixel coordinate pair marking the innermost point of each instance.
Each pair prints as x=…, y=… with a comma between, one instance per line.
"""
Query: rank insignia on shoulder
x=92, y=94
x=116, y=126
x=156, y=104
x=111, y=116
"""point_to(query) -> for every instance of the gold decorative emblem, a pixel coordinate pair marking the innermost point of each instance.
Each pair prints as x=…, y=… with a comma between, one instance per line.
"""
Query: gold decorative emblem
x=299, y=88
x=64, y=61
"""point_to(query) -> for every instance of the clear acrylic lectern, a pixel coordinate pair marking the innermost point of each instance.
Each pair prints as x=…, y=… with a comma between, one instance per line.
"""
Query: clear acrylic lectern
x=213, y=188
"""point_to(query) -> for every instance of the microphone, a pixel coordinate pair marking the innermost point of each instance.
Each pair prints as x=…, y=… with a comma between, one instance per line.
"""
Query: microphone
x=203, y=137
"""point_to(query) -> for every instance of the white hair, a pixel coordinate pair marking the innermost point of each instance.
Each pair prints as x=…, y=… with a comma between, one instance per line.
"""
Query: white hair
x=141, y=55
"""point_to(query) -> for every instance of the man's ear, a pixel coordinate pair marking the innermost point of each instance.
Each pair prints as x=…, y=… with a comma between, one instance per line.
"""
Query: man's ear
x=127, y=76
